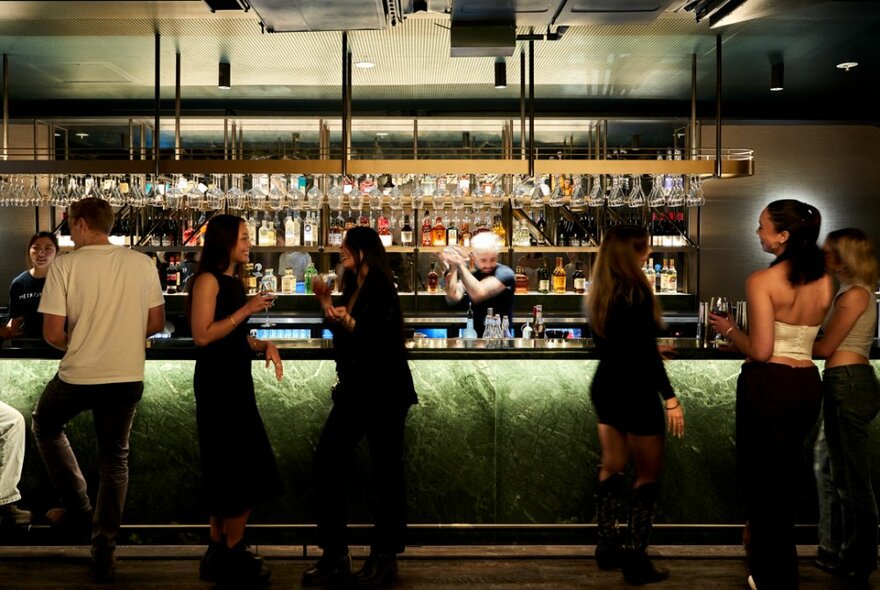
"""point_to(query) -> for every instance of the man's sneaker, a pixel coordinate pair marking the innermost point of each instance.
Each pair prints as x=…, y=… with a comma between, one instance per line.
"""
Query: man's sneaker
x=103, y=564
x=62, y=517
x=14, y=515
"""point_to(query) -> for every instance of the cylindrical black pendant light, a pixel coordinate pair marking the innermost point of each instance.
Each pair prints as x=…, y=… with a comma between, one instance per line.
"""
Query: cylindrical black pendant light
x=776, y=75
x=500, y=74
x=225, y=79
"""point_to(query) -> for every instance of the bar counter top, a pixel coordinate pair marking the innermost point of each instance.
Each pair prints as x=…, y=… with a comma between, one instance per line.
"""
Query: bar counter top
x=419, y=349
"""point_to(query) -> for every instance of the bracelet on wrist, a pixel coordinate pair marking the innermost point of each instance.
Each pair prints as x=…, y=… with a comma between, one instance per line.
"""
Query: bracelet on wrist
x=729, y=330
x=675, y=407
x=232, y=319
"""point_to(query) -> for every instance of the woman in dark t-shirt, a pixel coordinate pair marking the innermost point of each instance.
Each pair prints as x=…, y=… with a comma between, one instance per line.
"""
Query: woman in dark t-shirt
x=26, y=288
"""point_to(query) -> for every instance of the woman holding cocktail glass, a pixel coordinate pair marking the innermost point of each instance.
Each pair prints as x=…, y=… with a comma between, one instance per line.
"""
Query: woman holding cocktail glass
x=626, y=392
x=779, y=391
x=851, y=401
x=367, y=333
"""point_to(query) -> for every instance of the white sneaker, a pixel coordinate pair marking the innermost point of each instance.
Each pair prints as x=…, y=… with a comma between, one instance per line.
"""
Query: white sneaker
x=752, y=584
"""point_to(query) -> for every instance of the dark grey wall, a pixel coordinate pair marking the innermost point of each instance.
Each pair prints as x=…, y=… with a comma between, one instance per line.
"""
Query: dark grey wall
x=836, y=168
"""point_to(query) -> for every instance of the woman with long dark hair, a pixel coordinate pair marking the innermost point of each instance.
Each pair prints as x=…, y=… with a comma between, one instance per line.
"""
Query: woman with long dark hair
x=779, y=392
x=238, y=465
x=626, y=392
x=851, y=401
x=367, y=333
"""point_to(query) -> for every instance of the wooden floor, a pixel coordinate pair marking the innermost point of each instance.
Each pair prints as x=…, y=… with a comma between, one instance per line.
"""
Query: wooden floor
x=422, y=568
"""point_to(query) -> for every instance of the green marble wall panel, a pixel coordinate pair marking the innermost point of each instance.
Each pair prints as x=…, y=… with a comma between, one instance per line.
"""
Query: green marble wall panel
x=506, y=441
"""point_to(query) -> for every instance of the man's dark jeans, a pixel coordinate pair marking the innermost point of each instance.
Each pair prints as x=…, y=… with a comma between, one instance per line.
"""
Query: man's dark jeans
x=113, y=407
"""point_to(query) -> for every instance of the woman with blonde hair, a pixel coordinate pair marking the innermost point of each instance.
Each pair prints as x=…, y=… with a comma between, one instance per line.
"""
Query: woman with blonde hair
x=625, y=317
x=851, y=401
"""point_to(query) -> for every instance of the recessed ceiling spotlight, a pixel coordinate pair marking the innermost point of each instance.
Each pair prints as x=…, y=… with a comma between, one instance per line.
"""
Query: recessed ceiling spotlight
x=82, y=135
x=57, y=134
x=364, y=64
x=847, y=65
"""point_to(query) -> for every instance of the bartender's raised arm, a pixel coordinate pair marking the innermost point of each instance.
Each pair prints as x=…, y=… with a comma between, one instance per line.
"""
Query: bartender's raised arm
x=451, y=256
x=479, y=290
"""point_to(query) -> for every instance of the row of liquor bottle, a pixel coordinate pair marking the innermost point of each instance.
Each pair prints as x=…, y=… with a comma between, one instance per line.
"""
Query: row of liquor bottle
x=497, y=327
x=663, y=278
x=296, y=228
x=667, y=229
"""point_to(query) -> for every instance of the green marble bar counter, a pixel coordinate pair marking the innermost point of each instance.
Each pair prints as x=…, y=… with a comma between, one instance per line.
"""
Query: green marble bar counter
x=502, y=435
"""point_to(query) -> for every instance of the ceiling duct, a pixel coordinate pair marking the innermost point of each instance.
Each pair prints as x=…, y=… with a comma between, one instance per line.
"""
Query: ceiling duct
x=607, y=12
x=727, y=12
x=478, y=40
x=216, y=5
x=285, y=16
x=482, y=28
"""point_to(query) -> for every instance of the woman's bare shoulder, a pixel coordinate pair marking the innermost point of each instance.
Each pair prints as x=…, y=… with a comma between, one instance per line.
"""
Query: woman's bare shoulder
x=765, y=276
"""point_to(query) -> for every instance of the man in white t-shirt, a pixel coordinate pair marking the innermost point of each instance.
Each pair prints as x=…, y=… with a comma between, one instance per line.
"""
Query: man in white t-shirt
x=99, y=305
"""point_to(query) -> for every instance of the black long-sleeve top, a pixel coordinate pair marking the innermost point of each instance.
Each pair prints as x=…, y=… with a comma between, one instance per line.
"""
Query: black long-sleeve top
x=371, y=360
x=628, y=355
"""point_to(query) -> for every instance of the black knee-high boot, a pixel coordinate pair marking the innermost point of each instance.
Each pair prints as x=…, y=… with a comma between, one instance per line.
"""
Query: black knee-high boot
x=637, y=567
x=609, y=506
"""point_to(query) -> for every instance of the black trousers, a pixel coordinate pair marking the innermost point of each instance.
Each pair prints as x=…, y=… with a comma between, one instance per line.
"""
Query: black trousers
x=348, y=422
x=777, y=407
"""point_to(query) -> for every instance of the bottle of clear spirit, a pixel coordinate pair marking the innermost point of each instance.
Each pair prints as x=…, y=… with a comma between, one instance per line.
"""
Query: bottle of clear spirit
x=288, y=282
x=269, y=281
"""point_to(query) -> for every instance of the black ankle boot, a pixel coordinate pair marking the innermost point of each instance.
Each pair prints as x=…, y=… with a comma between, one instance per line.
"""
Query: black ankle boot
x=637, y=567
x=209, y=566
x=609, y=500
x=378, y=570
x=240, y=568
x=331, y=568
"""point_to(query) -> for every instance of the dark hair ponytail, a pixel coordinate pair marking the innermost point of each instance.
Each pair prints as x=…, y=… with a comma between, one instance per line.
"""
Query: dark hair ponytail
x=802, y=222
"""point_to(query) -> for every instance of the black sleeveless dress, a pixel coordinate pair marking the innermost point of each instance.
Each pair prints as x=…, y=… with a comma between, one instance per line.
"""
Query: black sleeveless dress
x=238, y=465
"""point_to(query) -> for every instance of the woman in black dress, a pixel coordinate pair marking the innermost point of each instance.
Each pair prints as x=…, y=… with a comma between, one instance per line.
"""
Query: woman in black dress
x=625, y=316
x=367, y=333
x=238, y=465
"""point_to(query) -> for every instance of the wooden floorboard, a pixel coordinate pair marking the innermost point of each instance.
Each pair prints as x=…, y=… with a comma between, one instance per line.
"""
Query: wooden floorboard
x=422, y=568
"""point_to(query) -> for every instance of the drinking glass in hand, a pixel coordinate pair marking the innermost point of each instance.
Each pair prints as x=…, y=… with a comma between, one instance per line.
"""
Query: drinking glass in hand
x=720, y=306
x=267, y=292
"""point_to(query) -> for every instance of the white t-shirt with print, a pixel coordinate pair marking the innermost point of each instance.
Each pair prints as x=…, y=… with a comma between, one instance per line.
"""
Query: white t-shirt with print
x=105, y=292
